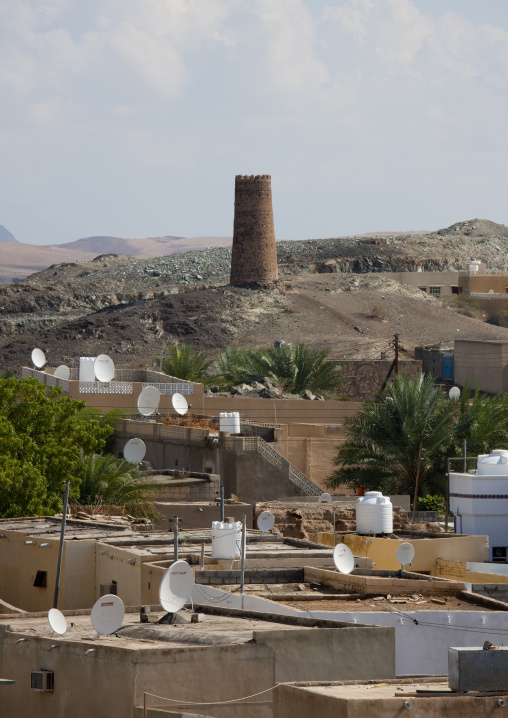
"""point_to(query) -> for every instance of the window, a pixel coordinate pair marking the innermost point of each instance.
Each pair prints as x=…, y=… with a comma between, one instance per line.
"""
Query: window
x=424, y=289
x=435, y=290
x=41, y=579
x=455, y=289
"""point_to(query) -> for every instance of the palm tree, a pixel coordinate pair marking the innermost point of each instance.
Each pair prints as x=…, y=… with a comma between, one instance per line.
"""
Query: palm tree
x=294, y=367
x=185, y=362
x=111, y=481
x=393, y=436
x=298, y=367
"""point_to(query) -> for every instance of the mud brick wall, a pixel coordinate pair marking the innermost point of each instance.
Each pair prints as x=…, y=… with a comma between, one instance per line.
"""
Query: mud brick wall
x=254, y=256
x=363, y=379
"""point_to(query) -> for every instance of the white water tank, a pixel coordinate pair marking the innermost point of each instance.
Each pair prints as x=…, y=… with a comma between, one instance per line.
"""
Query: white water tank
x=226, y=539
x=230, y=421
x=374, y=514
x=493, y=464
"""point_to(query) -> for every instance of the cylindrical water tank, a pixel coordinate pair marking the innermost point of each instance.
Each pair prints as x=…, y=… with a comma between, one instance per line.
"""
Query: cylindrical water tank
x=493, y=464
x=226, y=539
x=230, y=421
x=374, y=514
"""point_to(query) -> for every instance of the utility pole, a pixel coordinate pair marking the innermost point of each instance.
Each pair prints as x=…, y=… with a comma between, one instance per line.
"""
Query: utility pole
x=394, y=366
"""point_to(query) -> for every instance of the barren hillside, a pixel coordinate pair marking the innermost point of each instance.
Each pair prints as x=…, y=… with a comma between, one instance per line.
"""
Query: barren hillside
x=330, y=295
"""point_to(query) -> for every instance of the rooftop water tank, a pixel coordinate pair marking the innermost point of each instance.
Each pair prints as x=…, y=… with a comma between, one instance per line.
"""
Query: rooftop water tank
x=374, y=514
x=493, y=464
x=226, y=539
x=230, y=421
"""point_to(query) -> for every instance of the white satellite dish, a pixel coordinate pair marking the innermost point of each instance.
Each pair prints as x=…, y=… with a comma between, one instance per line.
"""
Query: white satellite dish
x=134, y=451
x=176, y=586
x=38, y=358
x=405, y=553
x=104, y=368
x=107, y=614
x=325, y=499
x=57, y=621
x=179, y=404
x=62, y=372
x=148, y=400
x=454, y=393
x=265, y=521
x=343, y=558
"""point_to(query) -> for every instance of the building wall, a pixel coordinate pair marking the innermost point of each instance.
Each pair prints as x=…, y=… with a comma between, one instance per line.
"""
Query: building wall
x=427, y=550
x=77, y=582
x=483, y=364
x=111, y=680
x=457, y=570
x=365, y=378
x=199, y=514
x=444, y=280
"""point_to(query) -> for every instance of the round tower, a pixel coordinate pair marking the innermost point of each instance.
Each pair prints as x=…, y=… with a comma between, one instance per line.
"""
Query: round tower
x=254, y=256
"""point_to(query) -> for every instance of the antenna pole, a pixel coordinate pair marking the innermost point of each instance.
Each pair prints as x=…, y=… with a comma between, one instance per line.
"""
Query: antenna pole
x=417, y=481
x=242, y=570
x=222, y=504
x=175, y=537
x=464, y=451
x=60, y=548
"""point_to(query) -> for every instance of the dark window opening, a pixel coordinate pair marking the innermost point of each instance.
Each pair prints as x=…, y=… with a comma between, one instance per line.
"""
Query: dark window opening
x=41, y=579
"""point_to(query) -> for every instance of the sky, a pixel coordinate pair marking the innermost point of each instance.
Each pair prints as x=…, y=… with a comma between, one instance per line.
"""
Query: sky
x=131, y=118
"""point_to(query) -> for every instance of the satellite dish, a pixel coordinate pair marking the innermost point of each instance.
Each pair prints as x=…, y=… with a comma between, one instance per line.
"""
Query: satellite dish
x=325, y=499
x=62, y=372
x=107, y=614
x=343, y=558
x=265, y=521
x=134, y=451
x=38, y=358
x=148, y=400
x=405, y=553
x=176, y=586
x=104, y=368
x=179, y=404
x=57, y=621
x=454, y=393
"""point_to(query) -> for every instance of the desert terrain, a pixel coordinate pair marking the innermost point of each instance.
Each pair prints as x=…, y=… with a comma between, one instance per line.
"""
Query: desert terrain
x=330, y=295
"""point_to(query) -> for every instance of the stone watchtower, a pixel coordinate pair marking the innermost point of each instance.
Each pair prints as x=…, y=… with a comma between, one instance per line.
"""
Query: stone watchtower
x=254, y=257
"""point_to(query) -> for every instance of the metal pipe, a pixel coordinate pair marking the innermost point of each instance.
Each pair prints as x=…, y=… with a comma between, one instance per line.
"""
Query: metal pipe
x=464, y=451
x=60, y=548
x=242, y=567
x=175, y=537
x=222, y=504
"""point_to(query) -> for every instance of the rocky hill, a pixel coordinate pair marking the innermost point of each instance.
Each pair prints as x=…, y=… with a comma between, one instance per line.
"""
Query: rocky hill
x=6, y=236
x=330, y=295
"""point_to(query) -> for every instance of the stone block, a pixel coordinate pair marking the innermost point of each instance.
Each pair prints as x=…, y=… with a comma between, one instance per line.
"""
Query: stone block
x=473, y=669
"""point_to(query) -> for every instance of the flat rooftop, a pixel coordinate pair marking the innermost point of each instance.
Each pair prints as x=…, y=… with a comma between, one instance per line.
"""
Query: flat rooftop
x=134, y=635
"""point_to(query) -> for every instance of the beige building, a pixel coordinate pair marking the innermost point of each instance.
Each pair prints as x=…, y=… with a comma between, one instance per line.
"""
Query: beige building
x=482, y=364
x=222, y=666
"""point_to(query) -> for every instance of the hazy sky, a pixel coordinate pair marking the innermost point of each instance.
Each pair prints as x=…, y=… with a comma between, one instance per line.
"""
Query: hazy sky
x=132, y=117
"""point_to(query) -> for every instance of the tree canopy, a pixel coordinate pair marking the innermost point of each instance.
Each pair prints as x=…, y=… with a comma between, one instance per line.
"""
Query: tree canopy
x=41, y=440
x=382, y=449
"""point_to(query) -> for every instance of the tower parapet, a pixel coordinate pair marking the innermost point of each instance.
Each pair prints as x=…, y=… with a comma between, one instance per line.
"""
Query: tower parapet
x=254, y=256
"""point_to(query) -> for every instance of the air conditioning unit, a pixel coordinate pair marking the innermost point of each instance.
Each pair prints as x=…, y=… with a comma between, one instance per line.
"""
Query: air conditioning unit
x=499, y=554
x=42, y=681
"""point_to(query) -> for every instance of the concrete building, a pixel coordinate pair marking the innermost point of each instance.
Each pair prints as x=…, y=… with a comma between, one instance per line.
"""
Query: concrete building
x=386, y=699
x=482, y=364
x=208, y=666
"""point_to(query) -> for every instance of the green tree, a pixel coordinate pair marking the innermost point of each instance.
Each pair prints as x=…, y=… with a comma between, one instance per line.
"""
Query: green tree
x=294, y=367
x=185, y=362
x=111, y=481
x=41, y=436
x=298, y=367
x=382, y=449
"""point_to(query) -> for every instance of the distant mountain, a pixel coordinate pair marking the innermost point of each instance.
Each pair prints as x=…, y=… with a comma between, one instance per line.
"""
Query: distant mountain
x=18, y=260
x=6, y=236
x=144, y=248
